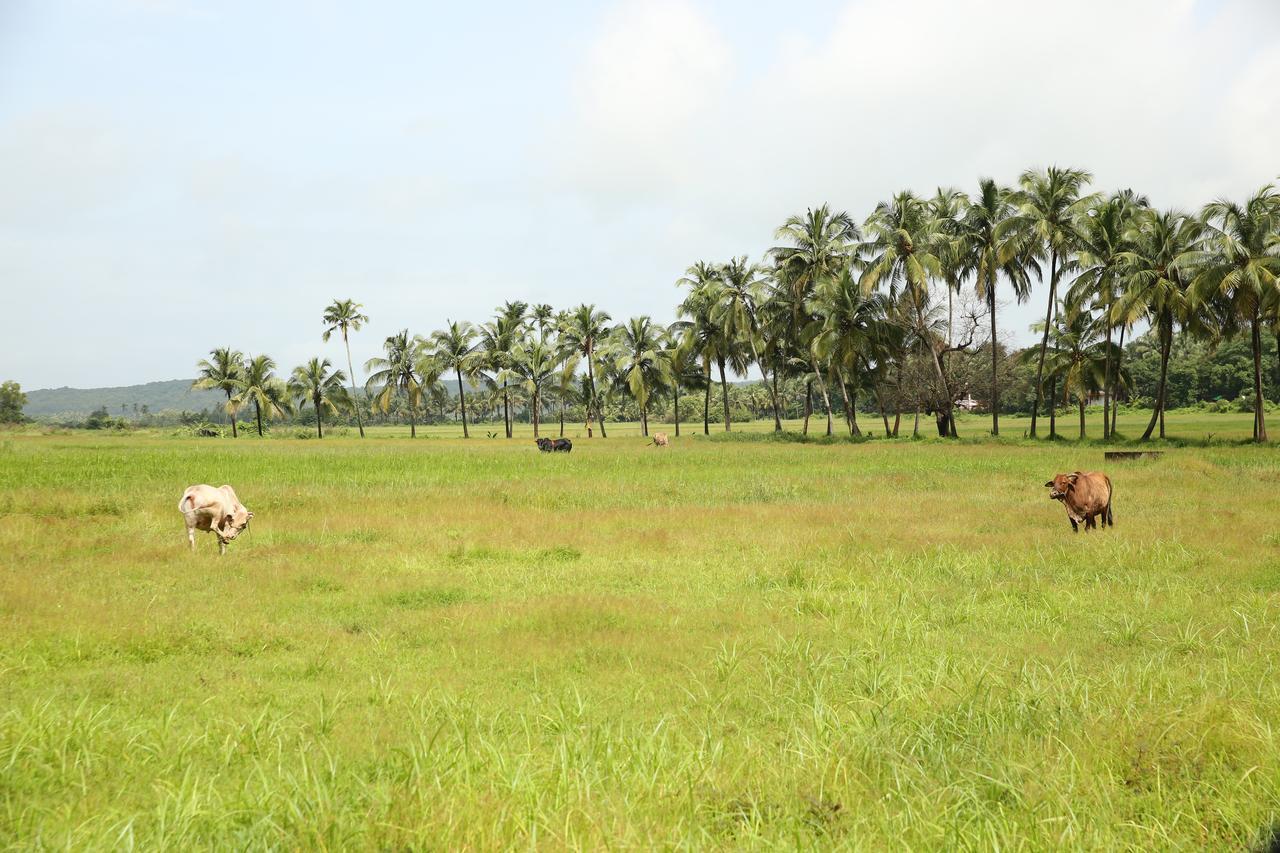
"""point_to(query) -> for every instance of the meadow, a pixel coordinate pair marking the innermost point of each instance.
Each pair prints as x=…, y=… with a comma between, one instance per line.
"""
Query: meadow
x=741, y=643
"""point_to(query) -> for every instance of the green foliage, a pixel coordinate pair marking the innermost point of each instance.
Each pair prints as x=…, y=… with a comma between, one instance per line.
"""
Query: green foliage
x=11, y=402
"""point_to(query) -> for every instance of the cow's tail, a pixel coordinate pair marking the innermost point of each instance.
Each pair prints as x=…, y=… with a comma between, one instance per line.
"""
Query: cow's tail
x=188, y=502
x=1111, y=519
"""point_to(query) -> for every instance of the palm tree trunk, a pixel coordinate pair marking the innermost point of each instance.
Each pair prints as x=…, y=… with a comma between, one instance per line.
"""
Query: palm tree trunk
x=826, y=400
x=853, y=410
x=506, y=411
x=534, y=414
x=1160, y=389
x=319, y=418
x=1081, y=398
x=413, y=419
x=777, y=409
x=1115, y=385
x=950, y=427
x=724, y=393
x=995, y=385
x=562, y=416
x=1106, y=371
x=808, y=405
x=706, y=399
x=848, y=409
x=258, y=409
x=675, y=403
x=884, y=416
x=233, y=416
x=352, y=373
x=1260, y=416
x=1044, y=341
x=897, y=401
x=462, y=401
x=644, y=421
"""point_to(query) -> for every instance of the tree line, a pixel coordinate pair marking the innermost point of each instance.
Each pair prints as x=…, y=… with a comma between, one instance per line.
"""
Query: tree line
x=885, y=315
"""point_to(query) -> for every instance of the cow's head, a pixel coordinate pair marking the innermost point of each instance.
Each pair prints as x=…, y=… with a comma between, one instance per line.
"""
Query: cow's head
x=233, y=524
x=543, y=443
x=1061, y=485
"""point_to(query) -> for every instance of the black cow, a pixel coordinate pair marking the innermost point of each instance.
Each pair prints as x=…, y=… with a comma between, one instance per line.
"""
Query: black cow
x=554, y=445
x=544, y=444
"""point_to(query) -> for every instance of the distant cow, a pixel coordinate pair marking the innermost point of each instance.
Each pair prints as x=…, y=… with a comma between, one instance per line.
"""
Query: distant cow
x=219, y=510
x=660, y=439
x=1086, y=496
x=554, y=445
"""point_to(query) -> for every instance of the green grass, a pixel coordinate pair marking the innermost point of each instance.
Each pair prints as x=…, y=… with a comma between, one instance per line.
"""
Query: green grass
x=744, y=644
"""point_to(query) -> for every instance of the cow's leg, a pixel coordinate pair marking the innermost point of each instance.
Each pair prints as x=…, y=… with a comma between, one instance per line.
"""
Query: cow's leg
x=222, y=546
x=1075, y=528
x=191, y=536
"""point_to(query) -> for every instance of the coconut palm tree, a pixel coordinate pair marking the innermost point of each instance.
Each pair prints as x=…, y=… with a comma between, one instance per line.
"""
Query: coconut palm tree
x=396, y=372
x=1048, y=203
x=582, y=330
x=544, y=319
x=536, y=363
x=990, y=251
x=1101, y=230
x=497, y=340
x=1077, y=354
x=344, y=316
x=682, y=358
x=313, y=382
x=259, y=385
x=705, y=335
x=454, y=349
x=900, y=254
x=947, y=207
x=743, y=288
x=847, y=333
x=1241, y=261
x=1157, y=257
x=641, y=363
x=565, y=377
x=221, y=372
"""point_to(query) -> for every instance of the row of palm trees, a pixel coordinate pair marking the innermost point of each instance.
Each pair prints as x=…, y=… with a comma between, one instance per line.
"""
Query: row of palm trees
x=849, y=309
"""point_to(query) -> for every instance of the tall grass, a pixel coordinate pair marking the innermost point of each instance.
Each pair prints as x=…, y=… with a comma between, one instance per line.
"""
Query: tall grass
x=442, y=644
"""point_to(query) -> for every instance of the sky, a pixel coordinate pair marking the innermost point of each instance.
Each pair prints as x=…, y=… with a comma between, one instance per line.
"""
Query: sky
x=179, y=175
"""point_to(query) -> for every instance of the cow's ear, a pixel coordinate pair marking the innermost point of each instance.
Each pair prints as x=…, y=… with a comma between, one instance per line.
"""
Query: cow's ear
x=1071, y=478
x=228, y=520
x=1049, y=485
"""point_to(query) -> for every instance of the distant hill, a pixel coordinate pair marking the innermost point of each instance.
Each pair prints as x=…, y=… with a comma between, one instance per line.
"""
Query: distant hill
x=173, y=394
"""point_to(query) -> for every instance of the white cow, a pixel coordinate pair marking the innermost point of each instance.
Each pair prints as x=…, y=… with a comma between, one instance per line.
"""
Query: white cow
x=219, y=510
x=660, y=439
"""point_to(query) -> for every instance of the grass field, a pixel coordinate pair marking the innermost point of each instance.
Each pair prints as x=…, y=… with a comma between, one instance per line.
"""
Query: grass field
x=741, y=644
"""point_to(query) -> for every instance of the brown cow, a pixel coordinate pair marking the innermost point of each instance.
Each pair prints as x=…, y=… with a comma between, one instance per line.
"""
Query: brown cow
x=1086, y=496
x=219, y=510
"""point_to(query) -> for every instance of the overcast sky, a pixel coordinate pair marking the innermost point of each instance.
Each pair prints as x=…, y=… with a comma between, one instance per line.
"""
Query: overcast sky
x=178, y=175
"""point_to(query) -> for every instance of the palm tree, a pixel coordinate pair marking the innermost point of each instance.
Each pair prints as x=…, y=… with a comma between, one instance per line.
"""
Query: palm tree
x=705, y=336
x=221, y=372
x=682, y=358
x=1077, y=355
x=847, y=334
x=742, y=290
x=543, y=317
x=641, y=363
x=990, y=251
x=344, y=315
x=901, y=251
x=1101, y=230
x=565, y=376
x=258, y=384
x=497, y=340
x=1241, y=261
x=395, y=373
x=312, y=382
x=1048, y=203
x=535, y=363
x=947, y=207
x=582, y=330
x=820, y=246
x=454, y=348
x=1159, y=249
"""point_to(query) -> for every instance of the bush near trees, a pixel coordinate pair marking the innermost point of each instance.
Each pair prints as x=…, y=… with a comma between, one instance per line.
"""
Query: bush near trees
x=12, y=399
